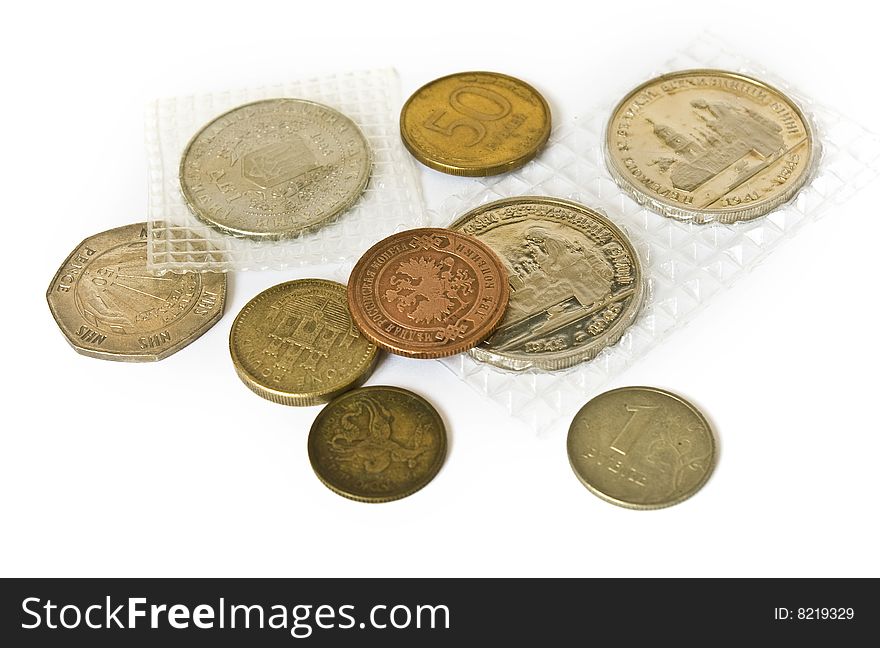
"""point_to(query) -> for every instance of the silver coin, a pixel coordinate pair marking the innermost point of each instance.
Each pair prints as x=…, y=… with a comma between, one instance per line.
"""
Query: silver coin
x=710, y=145
x=576, y=282
x=275, y=168
x=641, y=447
x=108, y=305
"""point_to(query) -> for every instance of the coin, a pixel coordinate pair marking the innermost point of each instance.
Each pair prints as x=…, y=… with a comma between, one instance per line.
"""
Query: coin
x=475, y=123
x=576, y=282
x=274, y=168
x=641, y=447
x=428, y=293
x=377, y=444
x=296, y=344
x=108, y=305
x=709, y=145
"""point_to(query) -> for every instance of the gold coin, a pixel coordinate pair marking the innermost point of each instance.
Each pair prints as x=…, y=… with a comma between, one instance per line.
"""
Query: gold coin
x=641, y=447
x=377, y=444
x=576, y=283
x=709, y=145
x=275, y=168
x=296, y=344
x=110, y=306
x=475, y=123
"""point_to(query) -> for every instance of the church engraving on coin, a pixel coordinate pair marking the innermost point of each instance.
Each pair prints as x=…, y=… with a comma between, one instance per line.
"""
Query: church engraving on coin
x=428, y=293
x=296, y=343
x=641, y=447
x=109, y=305
x=709, y=145
x=576, y=282
x=275, y=168
x=475, y=123
x=377, y=444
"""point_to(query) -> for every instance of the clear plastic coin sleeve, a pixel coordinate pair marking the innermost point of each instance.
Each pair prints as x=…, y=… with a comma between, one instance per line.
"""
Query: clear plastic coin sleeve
x=179, y=242
x=685, y=264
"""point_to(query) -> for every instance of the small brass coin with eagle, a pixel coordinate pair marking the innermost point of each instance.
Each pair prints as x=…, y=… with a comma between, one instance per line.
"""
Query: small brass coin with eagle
x=377, y=444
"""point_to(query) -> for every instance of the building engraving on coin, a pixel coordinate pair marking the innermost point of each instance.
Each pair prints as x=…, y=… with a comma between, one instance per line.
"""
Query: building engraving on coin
x=296, y=343
x=274, y=168
x=475, y=123
x=709, y=145
x=109, y=305
x=641, y=447
x=377, y=444
x=576, y=282
x=428, y=293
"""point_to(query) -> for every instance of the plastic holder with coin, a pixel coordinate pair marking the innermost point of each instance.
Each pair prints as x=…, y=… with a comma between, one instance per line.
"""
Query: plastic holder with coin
x=178, y=241
x=685, y=263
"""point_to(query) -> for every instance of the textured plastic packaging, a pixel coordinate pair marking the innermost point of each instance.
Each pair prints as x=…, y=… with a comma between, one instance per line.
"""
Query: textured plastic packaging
x=686, y=264
x=179, y=242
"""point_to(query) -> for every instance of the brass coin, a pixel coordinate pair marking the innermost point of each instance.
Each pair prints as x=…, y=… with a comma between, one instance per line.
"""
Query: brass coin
x=377, y=444
x=428, y=293
x=274, y=169
x=709, y=145
x=641, y=447
x=109, y=306
x=475, y=123
x=296, y=344
x=576, y=283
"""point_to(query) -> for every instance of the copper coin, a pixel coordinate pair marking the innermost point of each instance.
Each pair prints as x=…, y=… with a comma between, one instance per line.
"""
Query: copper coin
x=428, y=293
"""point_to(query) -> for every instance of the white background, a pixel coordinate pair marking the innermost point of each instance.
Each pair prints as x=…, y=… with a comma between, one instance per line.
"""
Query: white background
x=175, y=468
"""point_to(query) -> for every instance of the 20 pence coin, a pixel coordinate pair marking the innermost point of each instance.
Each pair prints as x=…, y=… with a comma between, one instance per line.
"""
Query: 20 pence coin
x=109, y=305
